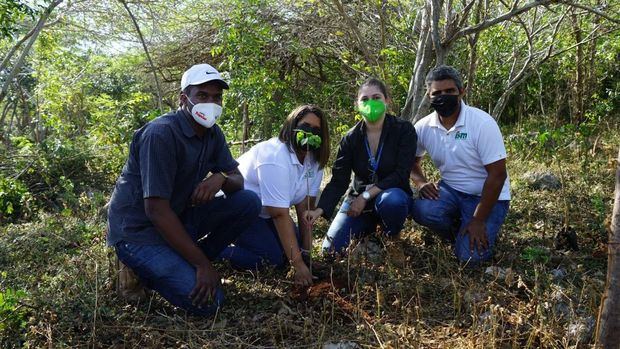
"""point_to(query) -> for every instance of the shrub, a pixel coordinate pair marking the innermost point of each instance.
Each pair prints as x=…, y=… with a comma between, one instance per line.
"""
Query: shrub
x=13, y=198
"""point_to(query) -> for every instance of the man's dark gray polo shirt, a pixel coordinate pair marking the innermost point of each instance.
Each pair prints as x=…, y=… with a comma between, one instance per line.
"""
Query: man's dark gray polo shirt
x=166, y=160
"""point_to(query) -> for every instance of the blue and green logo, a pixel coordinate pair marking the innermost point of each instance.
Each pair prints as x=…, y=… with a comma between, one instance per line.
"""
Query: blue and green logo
x=460, y=135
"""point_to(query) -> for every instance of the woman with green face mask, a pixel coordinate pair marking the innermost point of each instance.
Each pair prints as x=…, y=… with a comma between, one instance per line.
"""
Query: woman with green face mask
x=380, y=150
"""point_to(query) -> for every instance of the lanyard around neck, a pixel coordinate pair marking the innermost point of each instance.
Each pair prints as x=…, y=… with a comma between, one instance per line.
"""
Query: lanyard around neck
x=374, y=160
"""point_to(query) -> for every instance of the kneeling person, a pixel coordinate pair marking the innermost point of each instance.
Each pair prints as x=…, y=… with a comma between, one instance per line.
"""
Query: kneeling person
x=163, y=202
x=284, y=171
x=470, y=202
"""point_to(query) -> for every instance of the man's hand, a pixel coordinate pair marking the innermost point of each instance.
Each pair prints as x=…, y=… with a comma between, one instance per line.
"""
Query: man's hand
x=206, y=190
x=477, y=231
x=207, y=281
x=303, y=277
x=312, y=215
x=357, y=206
x=429, y=190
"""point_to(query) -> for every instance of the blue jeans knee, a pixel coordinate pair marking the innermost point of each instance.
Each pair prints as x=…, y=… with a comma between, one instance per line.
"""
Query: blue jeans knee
x=392, y=207
x=343, y=228
x=161, y=269
x=438, y=215
x=493, y=223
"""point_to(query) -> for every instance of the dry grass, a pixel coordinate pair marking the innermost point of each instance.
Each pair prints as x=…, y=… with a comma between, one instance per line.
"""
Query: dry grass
x=540, y=297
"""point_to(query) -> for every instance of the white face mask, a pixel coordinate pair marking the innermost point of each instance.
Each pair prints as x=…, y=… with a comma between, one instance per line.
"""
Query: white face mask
x=206, y=113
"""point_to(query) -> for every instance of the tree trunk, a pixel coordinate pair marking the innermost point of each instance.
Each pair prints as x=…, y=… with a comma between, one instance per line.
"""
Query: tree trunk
x=502, y=102
x=471, y=70
x=430, y=37
x=33, y=37
x=416, y=94
x=579, y=63
x=608, y=328
x=590, y=79
x=18, y=44
x=440, y=53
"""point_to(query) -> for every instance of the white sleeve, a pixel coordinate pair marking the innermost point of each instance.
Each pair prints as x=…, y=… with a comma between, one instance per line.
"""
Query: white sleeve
x=315, y=185
x=490, y=143
x=274, y=188
x=419, y=150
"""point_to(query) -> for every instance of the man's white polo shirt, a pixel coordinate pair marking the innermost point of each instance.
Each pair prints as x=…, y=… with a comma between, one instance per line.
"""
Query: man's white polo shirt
x=275, y=174
x=461, y=152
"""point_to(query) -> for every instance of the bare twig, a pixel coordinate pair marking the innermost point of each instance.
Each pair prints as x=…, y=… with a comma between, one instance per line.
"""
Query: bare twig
x=591, y=9
x=146, y=52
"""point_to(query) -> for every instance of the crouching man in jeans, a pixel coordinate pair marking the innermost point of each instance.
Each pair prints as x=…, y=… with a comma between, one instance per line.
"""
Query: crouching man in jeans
x=165, y=220
x=469, y=204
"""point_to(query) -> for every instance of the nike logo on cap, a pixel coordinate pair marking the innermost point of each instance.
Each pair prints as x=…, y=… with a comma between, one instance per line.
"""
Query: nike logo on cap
x=210, y=72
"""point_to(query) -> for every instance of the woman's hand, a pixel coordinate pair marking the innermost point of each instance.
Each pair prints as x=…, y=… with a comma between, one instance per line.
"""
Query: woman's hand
x=311, y=215
x=357, y=206
x=303, y=277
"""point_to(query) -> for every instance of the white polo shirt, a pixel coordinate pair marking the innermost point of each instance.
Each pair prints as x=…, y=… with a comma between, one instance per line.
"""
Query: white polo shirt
x=275, y=174
x=461, y=152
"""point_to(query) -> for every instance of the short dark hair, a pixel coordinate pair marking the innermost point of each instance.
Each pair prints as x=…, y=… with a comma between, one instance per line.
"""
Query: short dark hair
x=444, y=72
x=376, y=83
x=287, y=132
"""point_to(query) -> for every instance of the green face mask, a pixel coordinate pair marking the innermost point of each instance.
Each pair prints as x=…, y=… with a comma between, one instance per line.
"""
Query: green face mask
x=372, y=109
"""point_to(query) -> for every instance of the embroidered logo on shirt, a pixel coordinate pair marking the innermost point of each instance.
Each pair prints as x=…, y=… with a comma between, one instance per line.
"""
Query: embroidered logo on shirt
x=460, y=135
x=309, y=174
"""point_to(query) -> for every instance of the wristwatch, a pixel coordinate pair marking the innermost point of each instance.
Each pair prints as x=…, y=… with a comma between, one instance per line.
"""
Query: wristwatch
x=366, y=195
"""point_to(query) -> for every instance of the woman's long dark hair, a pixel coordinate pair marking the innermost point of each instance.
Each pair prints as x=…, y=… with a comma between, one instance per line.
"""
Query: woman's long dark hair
x=287, y=132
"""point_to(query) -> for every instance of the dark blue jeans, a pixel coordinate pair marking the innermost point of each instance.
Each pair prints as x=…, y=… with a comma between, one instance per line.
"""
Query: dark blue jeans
x=216, y=223
x=455, y=209
x=391, y=208
x=259, y=245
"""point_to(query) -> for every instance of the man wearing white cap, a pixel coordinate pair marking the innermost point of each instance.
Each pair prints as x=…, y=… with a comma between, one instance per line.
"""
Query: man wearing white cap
x=165, y=199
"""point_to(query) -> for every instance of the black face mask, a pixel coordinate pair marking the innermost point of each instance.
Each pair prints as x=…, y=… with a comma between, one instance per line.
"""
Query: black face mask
x=445, y=105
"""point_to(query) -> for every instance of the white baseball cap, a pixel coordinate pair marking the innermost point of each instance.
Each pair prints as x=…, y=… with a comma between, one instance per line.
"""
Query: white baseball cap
x=199, y=74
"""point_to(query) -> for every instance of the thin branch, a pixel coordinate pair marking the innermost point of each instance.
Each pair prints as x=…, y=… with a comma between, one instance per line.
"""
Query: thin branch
x=584, y=41
x=465, y=13
x=33, y=37
x=13, y=49
x=146, y=51
x=491, y=22
x=591, y=9
x=356, y=32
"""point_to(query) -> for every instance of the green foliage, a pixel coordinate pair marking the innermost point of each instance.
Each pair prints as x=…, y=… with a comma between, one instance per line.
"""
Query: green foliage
x=88, y=107
x=14, y=197
x=542, y=140
x=13, y=12
x=535, y=255
x=78, y=105
x=308, y=139
x=12, y=314
x=48, y=267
